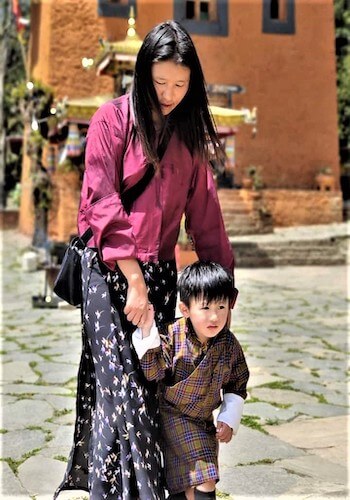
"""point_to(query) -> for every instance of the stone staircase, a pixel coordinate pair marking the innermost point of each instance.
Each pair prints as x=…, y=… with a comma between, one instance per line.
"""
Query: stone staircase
x=256, y=244
x=313, y=252
x=243, y=212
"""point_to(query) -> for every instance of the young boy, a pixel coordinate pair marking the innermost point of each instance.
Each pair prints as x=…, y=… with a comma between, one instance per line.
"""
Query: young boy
x=195, y=359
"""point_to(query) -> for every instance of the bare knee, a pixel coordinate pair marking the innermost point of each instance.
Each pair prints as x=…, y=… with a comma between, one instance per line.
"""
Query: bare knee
x=208, y=486
x=202, y=491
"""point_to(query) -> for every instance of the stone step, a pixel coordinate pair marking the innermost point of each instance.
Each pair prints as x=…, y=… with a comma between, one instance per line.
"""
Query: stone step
x=234, y=209
x=328, y=251
x=242, y=216
x=245, y=224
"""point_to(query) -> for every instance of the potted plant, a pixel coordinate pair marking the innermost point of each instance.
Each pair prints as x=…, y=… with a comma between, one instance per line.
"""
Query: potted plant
x=325, y=180
x=252, y=178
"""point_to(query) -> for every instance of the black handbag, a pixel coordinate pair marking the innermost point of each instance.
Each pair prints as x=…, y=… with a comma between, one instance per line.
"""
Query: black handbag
x=68, y=284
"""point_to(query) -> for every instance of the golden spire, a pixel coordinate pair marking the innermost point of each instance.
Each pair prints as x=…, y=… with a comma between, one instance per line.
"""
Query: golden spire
x=131, y=31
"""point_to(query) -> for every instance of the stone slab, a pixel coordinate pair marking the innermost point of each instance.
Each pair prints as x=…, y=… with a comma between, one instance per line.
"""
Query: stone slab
x=25, y=413
x=255, y=482
x=32, y=389
x=57, y=373
x=251, y=446
x=267, y=412
x=15, y=444
x=63, y=402
x=27, y=357
x=48, y=482
x=316, y=467
x=18, y=371
x=10, y=486
x=281, y=396
x=258, y=379
x=319, y=409
x=326, y=437
x=68, y=495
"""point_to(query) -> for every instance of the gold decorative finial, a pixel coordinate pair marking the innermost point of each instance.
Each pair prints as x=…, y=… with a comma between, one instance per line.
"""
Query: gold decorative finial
x=131, y=32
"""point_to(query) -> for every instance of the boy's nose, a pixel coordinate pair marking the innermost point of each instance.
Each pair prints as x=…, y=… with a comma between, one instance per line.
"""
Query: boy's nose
x=213, y=316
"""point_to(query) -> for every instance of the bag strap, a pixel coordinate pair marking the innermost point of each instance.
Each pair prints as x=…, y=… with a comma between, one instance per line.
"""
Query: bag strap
x=135, y=191
x=127, y=198
x=86, y=236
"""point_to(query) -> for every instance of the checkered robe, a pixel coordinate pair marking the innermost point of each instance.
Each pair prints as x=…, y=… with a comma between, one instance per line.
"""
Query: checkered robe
x=192, y=378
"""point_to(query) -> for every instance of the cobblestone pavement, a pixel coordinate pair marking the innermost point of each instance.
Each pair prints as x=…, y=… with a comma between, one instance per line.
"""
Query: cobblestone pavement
x=292, y=322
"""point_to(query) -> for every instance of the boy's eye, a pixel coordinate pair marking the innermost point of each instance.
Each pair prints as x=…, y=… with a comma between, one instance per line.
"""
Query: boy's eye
x=222, y=307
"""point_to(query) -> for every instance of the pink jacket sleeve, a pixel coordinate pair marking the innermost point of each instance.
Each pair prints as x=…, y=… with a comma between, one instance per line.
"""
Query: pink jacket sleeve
x=204, y=220
x=100, y=206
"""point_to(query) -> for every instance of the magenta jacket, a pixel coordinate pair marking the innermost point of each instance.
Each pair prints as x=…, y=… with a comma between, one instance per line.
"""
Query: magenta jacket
x=150, y=232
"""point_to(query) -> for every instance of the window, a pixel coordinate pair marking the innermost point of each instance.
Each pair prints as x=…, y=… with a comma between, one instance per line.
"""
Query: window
x=203, y=17
x=279, y=16
x=204, y=11
x=190, y=10
x=115, y=8
x=278, y=10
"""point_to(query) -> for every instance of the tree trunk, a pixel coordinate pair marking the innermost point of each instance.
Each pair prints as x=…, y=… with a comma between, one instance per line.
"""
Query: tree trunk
x=4, y=36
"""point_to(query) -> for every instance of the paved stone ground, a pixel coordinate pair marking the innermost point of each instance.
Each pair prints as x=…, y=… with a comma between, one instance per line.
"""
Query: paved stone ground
x=292, y=322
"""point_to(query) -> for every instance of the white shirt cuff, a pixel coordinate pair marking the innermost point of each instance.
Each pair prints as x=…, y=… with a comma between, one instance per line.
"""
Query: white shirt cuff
x=142, y=345
x=231, y=410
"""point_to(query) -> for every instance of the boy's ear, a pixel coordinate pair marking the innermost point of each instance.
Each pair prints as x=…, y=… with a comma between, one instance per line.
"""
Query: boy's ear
x=184, y=310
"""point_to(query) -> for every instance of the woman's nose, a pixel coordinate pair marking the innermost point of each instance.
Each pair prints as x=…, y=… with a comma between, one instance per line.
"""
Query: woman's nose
x=168, y=94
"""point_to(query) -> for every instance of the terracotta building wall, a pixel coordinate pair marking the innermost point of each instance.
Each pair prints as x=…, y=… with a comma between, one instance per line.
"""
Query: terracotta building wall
x=63, y=32
x=290, y=78
x=292, y=81
x=68, y=30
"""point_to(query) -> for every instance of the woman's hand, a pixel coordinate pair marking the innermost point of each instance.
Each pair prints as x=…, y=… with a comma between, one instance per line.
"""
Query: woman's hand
x=224, y=432
x=137, y=299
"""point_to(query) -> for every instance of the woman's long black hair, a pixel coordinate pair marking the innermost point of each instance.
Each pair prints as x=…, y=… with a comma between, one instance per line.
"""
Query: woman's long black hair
x=169, y=41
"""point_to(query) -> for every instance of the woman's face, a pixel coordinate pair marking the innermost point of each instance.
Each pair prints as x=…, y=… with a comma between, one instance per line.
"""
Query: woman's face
x=171, y=82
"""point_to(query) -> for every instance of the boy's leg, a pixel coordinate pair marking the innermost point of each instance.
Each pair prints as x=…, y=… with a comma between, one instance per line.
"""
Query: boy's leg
x=204, y=495
x=207, y=494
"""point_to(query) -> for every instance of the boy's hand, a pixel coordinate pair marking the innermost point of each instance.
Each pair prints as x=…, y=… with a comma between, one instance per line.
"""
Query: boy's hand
x=146, y=327
x=224, y=432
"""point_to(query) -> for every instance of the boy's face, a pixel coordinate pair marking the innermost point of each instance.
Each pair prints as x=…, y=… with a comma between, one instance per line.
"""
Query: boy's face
x=208, y=319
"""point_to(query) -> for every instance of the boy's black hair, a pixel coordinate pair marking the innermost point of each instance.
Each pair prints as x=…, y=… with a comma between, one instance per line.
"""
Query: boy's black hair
x=169, y=41
x=207, y=280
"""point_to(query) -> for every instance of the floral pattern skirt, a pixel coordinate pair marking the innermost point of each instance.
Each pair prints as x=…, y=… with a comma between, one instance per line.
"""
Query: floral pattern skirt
x=116, y=454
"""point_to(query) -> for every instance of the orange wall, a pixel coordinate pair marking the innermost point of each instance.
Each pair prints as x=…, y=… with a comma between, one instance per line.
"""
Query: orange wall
x=292, y=81
x=290, y=78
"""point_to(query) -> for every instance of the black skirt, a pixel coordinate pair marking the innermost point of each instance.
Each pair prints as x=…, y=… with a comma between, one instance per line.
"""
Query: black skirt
x=116, y=452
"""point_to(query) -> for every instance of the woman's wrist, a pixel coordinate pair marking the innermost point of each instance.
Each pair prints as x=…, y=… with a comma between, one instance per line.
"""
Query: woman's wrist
x=132, y=272
x=136, y=279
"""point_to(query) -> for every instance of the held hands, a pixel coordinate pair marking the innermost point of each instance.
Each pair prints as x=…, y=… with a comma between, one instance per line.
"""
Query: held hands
x=146, y=328
x=136, y=303
x=137, y=299
x=224, y=433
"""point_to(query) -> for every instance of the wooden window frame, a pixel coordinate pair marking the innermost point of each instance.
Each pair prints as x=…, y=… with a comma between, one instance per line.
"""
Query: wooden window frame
x=285, y=24
x=106, y=8
x=215, y=27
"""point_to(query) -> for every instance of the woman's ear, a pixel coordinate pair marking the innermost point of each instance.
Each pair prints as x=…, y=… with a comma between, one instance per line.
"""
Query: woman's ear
x=184, y=310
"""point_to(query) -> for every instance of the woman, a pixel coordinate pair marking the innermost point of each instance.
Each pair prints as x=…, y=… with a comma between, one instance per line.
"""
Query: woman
x=163, y=125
